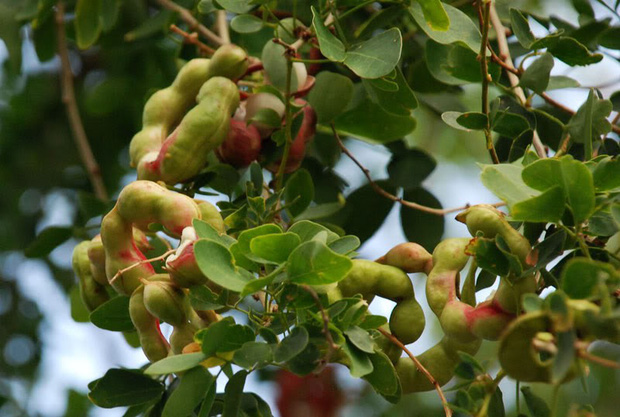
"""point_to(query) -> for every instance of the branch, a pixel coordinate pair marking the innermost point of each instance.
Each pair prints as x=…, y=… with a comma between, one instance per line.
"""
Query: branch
x=221, y=25
x=570, y=111
x=583, y=353
x=68, y=98
x=192, y=39
x=332, y=346
x=500, y=31
x=193, y=23
x=422, y=369
x=390, y=196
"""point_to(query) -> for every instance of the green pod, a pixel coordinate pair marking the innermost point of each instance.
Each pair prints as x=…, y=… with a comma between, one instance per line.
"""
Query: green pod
x=370, y=278
x=210, y=214
x=408, y=256
x=440, y=360
x=92, y=293
x=96, y=255
x=166, y=107
x=153, y=343
x=181, y=336
x=205, y=127
x=229, y=61
x=166, y=302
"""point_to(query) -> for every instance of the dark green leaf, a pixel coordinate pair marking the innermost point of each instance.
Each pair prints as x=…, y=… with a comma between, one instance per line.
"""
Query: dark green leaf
x=253, y=354
x=521, y=28
x=233, y=393
x=298, y=192
x=87, y=24
x=331, y=47
x=175, y=364
x=292, y=345
x=409, y=168
x=383, y=377
x=462, y=28
x=123, y=387
x=536, y=76
x=330, y=95
x=236, y=6
x=424, y=228
x=313, y=263
x=275, y=247
x=537, y=406
x=216, y=262
x=465, y=121
x=113, y=315
x=194, y=385
x=48, y=240
x=377, y=56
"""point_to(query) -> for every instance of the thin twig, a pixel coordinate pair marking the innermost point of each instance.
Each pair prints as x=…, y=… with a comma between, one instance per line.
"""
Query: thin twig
x=142, y=262
x=68, y=98
x=422, y=369
x=192, y=39
x=583, y=353
x=504, y=52
x=379, y=190
x=570, y=111
x=484, y=69
x=221, y=25
x=193, y=23
x=332, y=346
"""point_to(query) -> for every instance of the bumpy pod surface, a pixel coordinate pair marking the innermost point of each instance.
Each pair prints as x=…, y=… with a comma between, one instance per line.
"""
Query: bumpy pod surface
x=154, y=344
x=369, y=278
x=166, y=302
x=408, y=256
x=92, y=293
x=141, y=204
x=166, y=107
x=184, y=153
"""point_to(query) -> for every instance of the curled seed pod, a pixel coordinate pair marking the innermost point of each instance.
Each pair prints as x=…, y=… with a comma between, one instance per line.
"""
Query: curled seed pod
x=92, y=293
x=242, y=145
x=153, y=343
x=369, y=278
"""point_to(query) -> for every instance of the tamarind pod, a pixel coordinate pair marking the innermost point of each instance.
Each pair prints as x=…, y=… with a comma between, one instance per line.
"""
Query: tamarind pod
x=183, y=268
x=166, y=302
x=230, y=61
x=184, y=153
x=121, y=252
x=144, y=202
x=154, y=344
x=242, y=145
x=491, y=222
x=369, y=278
x=166, y=107
x=440, y=360
x=408, y=256
x=210, y=214
x=92, y=293
x=181, y=336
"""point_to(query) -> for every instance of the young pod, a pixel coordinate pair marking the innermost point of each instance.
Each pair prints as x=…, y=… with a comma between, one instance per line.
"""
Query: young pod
x=166, y=302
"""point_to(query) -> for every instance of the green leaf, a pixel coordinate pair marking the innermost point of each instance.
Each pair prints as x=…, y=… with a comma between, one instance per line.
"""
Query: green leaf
x=537, y=406
x=216, y=262
x=424, y=228
x=377, y=56
x=606, y=174
x=331, y=47
x=408, y=168
x=313, y=263
x=275, y=66
x=545, y=207
x=123, y=387
x=242, y=249
x=360, y=363
x=345, y=244
x=465, y=121
x=400, y=101
x=509, y=124
x=233, y=393
x=563, y=360
x=113, y=315
x=307, y=230
x=87, y=24
x=505, y=181
x=236, y=6
x=268, y=117
x=590, y=122
x=462, y=28
x=292, y=345
x=455, y=64
x=557, y=82
x=371, y=123
x=246, y=23
x=435, y=15
x=330, y=95
x=360, y=339
x=581, y=277
x=10, y=34
x=224, y=336
x=205, y=231
x=610, y=38
x=253, y=354
x=48, y=240
x=298, y=192
x=175, y=364
x=521, y=28
x=109, y=13
x=536, y=76
x=275, y=247
x=571, y=52
x=194, y=385
x=383, y=377
x=202, y=298
x=572, y=176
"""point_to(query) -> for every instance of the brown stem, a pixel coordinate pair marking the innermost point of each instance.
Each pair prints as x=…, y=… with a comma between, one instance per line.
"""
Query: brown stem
x=68, y=98
x=192, y=39
x=377, y=188
x=582, y=352
x=193, y=23
x=504, y=52
x=422, y=369
x=484, y=69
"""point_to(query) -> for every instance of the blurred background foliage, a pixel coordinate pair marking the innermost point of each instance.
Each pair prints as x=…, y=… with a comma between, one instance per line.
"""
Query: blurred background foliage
x=43, y=182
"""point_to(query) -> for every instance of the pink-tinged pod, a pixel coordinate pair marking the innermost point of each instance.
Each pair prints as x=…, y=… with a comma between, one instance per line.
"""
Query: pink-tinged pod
x=408, y=256
x=242, y=145
x=182, y=265
x=144, y=202
x=154, y=344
